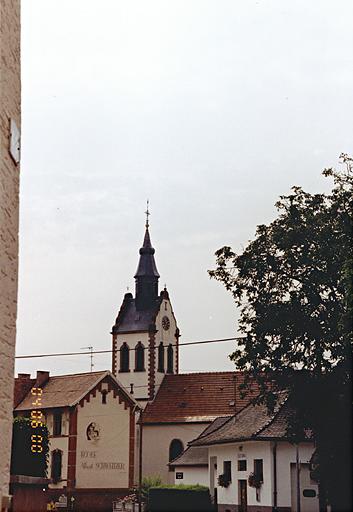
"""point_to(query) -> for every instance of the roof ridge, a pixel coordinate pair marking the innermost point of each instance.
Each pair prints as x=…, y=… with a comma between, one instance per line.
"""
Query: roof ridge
x=204, y=373
x=77, y=374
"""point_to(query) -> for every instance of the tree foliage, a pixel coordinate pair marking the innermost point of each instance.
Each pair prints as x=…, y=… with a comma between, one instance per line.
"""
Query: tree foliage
x=293, y=284
x=23, y=460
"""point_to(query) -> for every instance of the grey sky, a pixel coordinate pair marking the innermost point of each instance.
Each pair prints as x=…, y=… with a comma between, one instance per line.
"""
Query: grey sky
x=211, y=109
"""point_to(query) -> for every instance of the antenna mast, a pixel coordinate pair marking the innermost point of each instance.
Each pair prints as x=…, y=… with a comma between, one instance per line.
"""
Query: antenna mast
x=90, y=348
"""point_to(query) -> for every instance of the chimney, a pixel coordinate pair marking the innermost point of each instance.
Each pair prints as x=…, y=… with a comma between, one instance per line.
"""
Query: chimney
x=24, y=376
x=42, y=378
x=23, y=384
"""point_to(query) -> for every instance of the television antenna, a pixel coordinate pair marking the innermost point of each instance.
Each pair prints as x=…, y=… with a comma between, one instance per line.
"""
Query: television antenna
x=90, y=348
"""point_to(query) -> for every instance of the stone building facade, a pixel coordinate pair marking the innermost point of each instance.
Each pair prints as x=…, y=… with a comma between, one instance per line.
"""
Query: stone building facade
x=10, y=122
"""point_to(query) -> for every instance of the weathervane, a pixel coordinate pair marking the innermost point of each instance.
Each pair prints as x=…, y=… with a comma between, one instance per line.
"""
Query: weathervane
x=147, y=212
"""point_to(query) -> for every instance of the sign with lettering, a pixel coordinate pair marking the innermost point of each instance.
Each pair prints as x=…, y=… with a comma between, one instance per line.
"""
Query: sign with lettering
x=179, y=476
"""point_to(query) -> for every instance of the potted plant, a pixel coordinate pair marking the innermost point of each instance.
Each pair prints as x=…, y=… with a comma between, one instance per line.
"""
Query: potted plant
x=223, y=480
x=254, y=481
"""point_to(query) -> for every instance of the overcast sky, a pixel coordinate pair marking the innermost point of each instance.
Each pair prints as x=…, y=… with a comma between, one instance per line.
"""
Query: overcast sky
x=209, y=108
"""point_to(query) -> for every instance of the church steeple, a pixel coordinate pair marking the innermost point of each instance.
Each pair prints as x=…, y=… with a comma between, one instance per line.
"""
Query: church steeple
x=146, y=277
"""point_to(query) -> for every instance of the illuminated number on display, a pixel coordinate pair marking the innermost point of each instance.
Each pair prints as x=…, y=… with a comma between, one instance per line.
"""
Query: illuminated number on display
x=36, y=448
x=36, y=415
x=37, y=391
x=35, y=424
x=38, y=402
x=36, y=438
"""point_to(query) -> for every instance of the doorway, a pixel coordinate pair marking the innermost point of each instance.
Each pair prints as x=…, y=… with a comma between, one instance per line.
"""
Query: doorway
x=243, y=495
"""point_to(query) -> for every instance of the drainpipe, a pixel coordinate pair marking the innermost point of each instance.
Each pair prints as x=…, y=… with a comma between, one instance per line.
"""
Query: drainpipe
x=274, y=509
x=298, y=477
x=140, y=462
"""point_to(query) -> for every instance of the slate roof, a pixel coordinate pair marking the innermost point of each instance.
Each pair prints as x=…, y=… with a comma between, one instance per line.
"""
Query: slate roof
x=196, y=397
x=251, y=423
x=130, y=319
x=67, y=390
x=198, y=455
x=147, y=265
x=192, y=456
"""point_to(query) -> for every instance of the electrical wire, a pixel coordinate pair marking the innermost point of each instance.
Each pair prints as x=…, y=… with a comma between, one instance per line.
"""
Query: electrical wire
x=62, y=354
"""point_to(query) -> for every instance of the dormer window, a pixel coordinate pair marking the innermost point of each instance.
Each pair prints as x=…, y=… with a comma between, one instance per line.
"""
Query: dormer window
x=124, y=358
x=139, y=357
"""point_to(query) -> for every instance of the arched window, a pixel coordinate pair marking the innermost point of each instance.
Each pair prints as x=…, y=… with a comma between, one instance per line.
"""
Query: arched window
x=124, y=358
x=170, y=355
x=161, y=357
x=176, y=447
x=139, y=357
x=56, y=465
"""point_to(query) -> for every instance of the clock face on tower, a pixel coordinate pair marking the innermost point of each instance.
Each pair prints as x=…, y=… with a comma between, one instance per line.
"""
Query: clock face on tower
x=165, y=323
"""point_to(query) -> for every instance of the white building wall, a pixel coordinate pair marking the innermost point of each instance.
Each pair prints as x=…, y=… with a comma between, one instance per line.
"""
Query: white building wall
x=191, y=475
x=249, y=452
x=140, y=379
x=286, y=455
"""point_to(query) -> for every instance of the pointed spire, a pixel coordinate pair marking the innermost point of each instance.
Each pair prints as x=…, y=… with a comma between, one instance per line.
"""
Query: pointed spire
x=146, y=277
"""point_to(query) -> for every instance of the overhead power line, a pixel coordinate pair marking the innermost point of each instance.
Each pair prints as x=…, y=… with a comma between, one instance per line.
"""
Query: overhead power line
x=62, y=354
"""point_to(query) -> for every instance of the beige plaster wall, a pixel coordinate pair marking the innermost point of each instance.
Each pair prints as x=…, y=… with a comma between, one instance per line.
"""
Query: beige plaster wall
x=156, y=442
x=103, y=462
x=59, y=443
x=10, y=105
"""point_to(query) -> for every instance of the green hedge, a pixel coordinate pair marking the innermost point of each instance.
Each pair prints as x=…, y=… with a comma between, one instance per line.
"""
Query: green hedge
x=23, y=460
x=182, y=487
x=179, y=498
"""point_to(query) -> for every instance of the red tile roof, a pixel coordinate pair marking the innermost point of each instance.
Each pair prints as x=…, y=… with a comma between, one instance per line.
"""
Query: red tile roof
x=196, y=397
x=67, y=390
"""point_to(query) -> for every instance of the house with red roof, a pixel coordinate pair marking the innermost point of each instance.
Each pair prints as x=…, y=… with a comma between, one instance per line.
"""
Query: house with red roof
x=91, y=420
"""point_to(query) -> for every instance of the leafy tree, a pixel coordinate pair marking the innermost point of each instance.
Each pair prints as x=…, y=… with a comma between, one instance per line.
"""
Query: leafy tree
x=293, y=284
x=25, y=439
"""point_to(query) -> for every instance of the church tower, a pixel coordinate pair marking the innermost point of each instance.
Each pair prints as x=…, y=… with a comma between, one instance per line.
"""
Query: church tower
x=145, y=333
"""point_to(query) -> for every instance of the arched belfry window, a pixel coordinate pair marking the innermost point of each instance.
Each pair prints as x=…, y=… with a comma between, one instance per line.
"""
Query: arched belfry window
x=124, y=358
x=176, y=447
x=139, y=357
x=161, y=357
x=56, y=465
x=170, y=357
